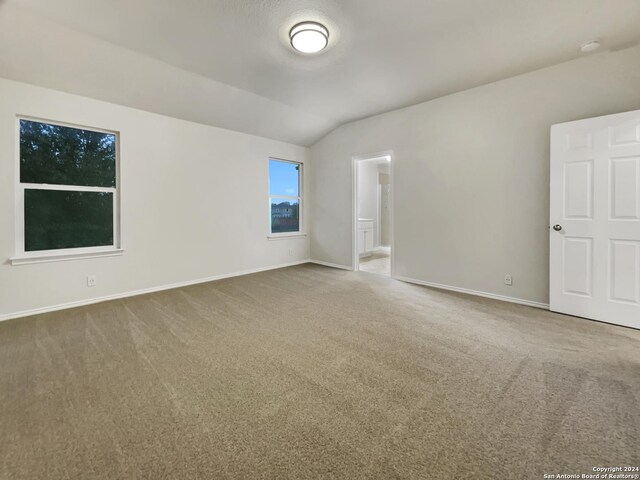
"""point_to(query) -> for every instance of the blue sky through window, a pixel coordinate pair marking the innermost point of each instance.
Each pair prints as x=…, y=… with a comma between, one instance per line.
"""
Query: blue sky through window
x=283, y=178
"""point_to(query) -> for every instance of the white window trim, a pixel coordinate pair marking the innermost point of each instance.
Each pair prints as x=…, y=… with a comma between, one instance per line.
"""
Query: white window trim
x=286, y=235
x=22, y=257
x=58, y=257
x=300, y=233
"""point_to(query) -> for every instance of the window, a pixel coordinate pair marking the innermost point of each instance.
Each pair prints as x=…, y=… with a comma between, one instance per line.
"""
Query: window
x=67, y=193
x=285, y=196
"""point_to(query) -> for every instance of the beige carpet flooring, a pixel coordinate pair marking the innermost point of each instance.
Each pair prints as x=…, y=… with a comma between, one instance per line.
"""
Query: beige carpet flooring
x=378, y=262
x=311, y=372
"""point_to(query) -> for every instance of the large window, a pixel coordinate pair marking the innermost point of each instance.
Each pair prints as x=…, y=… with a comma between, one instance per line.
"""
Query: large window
x=285, y=196
x=67, y=193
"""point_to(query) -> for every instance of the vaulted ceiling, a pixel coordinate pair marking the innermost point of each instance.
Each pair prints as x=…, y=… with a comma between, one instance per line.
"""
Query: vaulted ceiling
x=228, y=62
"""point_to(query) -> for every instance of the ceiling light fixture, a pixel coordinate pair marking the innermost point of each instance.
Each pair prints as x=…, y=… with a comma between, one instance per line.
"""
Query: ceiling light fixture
x=309, y=37
x=590, y=46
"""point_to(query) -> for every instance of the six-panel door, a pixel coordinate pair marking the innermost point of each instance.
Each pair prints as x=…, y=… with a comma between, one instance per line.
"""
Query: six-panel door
x=595, y=209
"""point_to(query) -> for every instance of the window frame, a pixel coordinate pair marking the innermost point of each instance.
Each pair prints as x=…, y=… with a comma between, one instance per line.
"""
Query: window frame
x=299, y=199
x=22, y=256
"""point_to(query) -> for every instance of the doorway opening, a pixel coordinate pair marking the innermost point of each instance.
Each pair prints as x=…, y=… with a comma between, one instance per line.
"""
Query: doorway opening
x=373, y=214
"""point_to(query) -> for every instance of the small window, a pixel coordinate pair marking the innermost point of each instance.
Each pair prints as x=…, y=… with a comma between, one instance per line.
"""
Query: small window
x=67, y=194
x=285, y=196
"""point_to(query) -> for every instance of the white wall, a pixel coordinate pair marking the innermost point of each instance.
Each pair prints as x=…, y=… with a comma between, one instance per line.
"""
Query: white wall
x=471, y=174
x=194, y=202
x=368, y=193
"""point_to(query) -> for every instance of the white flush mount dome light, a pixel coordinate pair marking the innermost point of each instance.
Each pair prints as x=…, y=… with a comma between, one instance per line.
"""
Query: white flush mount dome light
x=309, y=37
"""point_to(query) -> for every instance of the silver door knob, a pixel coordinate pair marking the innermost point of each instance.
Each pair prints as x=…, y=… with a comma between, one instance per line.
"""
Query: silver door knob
x=557, y=228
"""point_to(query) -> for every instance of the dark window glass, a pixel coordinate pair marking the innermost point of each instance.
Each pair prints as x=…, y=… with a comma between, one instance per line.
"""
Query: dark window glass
x=284, y=178
x=285, y=216
x=66, y=156
x=55, y=219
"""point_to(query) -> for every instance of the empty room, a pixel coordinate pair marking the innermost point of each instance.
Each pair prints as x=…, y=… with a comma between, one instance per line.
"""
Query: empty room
x=319, y=239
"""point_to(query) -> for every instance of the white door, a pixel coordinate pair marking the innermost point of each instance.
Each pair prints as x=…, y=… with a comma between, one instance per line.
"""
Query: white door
x=595, y=219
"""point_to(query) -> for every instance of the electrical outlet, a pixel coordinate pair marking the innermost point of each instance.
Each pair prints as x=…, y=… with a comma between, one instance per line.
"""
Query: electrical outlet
x=291, y=252
x=508, y=280
x=92, y=280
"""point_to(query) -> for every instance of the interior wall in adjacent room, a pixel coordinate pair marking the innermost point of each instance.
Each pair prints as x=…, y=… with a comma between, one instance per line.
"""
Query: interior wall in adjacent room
x=368, y=193
x=384, y=179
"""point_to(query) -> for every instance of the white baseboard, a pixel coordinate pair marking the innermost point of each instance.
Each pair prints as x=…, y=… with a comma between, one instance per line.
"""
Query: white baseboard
x=89, y=301
x=332, y=265
x=493, y=296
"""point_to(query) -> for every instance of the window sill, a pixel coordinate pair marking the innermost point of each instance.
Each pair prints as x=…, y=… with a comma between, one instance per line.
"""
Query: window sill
x=60, y=257
x=286, y=236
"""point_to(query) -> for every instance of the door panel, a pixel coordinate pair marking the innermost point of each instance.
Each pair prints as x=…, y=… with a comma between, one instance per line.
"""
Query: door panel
x=625, y=188
x=578, y=140
x=625, y=271
x=578, y=258
x=595, y=206
x=625, y=134
x=368, y=240
x=578, y=189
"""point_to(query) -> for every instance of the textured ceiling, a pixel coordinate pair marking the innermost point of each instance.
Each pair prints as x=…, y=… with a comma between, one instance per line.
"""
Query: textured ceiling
x=382, y=54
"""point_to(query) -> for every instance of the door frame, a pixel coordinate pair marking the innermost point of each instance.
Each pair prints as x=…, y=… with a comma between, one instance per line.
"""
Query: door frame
x=387, y=154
